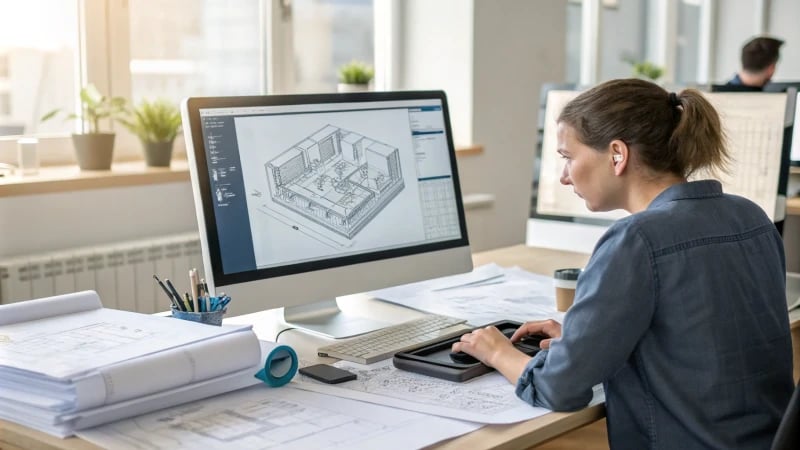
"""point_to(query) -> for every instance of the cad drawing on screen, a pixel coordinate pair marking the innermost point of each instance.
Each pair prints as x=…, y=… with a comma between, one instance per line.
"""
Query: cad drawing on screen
x=336, y=178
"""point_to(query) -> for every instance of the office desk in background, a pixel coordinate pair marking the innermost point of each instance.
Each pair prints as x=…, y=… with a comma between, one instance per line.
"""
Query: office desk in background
x=519, y=435
x=793, y=206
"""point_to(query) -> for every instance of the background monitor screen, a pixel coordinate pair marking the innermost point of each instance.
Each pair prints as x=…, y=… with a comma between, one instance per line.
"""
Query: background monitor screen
x=303, y=198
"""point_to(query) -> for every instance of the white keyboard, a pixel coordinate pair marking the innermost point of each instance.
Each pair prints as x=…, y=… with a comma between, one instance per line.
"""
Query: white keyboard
x=384, y=343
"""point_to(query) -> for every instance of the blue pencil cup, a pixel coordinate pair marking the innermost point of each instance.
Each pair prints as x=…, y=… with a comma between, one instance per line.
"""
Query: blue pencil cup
x=208, y=318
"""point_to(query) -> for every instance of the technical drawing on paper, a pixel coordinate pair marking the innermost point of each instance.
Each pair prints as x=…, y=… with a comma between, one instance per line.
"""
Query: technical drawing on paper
x=336, y=178
x=285, y=418
x=485, y=395
x=79, y=342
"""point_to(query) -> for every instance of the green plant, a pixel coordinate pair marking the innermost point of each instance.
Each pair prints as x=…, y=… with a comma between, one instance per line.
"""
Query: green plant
x=356, y=72
x=154, y=121
x=94, y=107
x=643, y=69
x=646, y=69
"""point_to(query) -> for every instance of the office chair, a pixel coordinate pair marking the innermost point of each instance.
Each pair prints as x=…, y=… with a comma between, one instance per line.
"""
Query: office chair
x=788, y=435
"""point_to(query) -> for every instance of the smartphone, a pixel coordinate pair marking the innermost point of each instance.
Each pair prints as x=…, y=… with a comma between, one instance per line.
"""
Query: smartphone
x=327, y=373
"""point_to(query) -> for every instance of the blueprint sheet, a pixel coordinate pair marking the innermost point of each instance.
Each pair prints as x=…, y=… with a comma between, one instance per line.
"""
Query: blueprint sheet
x=486, y=399
x=487, y=294
x=283, y=418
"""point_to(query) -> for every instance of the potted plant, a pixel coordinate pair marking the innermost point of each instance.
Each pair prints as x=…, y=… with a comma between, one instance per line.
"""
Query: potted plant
x=155, y=123
x=355, y=77
x=644, y=69
x=93, y=149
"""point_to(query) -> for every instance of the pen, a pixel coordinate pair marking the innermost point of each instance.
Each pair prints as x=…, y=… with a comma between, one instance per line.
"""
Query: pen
x=169, y=294
x=175, y=294
x=188, y=298
x=193, y=286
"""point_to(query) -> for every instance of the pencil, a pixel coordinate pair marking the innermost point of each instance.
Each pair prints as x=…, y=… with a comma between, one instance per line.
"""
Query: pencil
x=193, y=280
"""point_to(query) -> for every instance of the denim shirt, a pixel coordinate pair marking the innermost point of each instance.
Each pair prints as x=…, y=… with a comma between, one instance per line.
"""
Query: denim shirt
x=681, y=314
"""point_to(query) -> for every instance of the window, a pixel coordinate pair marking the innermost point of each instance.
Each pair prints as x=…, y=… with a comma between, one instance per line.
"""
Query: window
x=217, y=47
x=38, y=62
x=623, y=37
x=688, y=44
x=173, y=49
x=574, y=31
x=188, y=48
x=327, y=34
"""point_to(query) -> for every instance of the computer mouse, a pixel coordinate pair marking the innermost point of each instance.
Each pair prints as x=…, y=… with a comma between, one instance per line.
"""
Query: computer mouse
x=463, y=358
x=533, y=339
x=530, y=344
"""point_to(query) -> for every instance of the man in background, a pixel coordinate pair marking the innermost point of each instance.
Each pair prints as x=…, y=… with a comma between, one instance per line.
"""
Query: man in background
x=759, y=57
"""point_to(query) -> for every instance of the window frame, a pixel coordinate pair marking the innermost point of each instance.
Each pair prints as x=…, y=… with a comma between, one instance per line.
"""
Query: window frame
x=662, y=51
x=103, y=59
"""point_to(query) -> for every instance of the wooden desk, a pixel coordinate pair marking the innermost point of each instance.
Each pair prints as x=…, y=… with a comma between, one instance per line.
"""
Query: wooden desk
x=520, y=435
x=793, y=206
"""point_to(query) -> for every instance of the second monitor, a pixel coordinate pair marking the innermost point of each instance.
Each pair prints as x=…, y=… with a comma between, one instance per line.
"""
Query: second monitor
x=302, y=198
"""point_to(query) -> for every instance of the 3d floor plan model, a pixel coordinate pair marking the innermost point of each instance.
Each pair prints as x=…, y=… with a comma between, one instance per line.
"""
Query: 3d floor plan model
x=336, y=178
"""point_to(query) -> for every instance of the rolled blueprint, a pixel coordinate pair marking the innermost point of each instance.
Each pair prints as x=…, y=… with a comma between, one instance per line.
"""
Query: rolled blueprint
x=280, y=364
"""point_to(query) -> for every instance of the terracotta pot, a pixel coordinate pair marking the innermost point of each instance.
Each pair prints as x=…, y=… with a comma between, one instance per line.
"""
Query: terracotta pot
x=158, y=154
x=94, y=151
x=345, y=87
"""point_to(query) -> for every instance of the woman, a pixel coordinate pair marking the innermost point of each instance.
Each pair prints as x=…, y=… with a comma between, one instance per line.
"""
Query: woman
x=681, y=310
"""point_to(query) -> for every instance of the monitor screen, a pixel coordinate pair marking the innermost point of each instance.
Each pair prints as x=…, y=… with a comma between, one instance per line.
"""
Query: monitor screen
x=302, y=198
x=781, y=86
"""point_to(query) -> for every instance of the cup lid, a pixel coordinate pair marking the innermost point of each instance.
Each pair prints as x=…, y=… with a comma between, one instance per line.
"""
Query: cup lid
x=567, y=274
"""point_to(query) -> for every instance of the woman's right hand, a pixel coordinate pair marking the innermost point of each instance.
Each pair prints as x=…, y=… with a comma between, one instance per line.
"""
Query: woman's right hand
x=549, y=328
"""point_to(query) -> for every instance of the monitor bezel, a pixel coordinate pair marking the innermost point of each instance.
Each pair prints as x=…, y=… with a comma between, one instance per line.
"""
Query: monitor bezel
x=207, y=221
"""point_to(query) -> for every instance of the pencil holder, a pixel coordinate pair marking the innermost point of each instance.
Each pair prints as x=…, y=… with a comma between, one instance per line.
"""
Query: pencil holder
x=208, y=318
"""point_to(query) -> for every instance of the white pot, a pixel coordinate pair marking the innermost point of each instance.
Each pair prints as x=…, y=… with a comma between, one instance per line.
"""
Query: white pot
x=344, y=87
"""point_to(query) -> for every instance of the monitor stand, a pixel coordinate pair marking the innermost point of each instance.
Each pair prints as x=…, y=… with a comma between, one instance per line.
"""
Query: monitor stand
x=327, y=319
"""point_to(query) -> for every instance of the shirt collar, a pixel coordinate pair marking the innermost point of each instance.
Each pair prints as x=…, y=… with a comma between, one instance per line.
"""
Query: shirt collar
x=687, y=190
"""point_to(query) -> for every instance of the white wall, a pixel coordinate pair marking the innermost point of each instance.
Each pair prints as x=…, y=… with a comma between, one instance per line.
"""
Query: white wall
x=783, y=22
x=514, y=46
x=437, y=45
x=45, y=222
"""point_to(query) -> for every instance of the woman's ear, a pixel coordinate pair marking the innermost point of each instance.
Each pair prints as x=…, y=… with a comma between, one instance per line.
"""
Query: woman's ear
x=619, y=155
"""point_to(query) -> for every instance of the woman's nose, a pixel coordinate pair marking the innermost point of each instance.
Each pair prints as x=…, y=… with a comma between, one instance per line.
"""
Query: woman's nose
x=565, y=176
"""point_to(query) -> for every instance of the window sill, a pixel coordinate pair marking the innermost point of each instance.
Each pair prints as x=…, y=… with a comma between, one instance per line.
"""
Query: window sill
x=69, y=178
x=469, y=150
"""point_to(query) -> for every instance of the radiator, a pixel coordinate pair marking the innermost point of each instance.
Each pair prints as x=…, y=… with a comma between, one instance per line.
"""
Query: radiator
x=121, y=273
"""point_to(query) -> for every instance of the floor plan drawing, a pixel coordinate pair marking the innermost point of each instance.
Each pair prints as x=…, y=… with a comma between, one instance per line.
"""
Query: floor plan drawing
x=337, y=178
x=282, y=419
x=486, y=399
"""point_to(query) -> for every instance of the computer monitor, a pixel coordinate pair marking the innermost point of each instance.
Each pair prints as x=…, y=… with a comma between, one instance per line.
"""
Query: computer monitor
x=304, y=198
x=794, y=153
x=734, y=88
x=781, y=86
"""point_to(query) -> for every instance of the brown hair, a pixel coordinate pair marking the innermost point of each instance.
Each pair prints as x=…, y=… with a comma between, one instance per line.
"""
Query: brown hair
x=759, y=53
x=671, y=133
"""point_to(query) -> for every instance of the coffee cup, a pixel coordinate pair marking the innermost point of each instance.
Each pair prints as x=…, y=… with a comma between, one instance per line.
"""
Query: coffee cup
x=565, y=281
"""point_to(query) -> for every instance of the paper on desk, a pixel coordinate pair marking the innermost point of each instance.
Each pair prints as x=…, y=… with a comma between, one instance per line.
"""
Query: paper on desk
x=57, y=346
x=284, y=418
x=520, y=296
x=64, y=424
x=486, y=399
x=488, y=273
